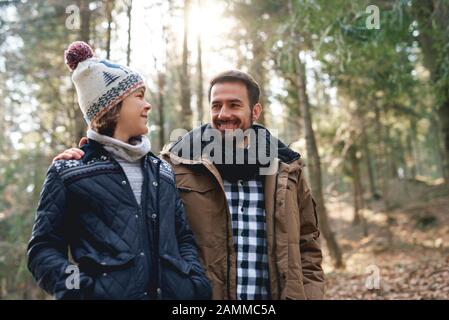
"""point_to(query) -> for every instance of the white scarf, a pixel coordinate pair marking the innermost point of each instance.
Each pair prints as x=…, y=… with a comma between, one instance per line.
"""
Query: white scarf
x=133, y=151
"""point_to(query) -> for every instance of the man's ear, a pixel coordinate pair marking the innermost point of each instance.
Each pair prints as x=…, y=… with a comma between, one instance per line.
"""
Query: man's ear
x=256, y=112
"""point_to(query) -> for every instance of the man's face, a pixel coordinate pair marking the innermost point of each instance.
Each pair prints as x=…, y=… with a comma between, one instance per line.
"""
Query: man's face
x=230, y=108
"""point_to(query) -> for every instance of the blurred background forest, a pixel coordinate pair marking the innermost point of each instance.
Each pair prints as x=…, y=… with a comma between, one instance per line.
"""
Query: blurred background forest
x=364, y=100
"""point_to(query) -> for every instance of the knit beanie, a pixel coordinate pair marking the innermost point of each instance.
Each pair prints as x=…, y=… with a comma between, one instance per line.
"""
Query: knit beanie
x=100, y=84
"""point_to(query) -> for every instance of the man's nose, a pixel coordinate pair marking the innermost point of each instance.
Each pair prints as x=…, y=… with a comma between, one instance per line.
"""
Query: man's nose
x=224, y=113
x=148, y=106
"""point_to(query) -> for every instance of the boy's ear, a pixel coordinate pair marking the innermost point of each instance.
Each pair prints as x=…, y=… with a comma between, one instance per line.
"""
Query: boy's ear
x=83, y=141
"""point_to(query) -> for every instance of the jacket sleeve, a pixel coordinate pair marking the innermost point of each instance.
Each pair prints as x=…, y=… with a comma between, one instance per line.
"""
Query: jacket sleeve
x=189, y=252
x=47, y=249
x=311, y=255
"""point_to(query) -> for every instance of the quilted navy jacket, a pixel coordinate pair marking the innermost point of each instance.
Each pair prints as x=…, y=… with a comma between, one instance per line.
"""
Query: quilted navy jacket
x=122, y=250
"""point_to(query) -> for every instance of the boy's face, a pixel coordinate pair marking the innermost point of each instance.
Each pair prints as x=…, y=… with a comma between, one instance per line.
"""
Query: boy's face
x=133, y=117
x=229, y=107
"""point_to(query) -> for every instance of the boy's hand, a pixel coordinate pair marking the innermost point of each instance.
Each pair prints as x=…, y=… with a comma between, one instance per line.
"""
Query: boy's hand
x=72, y=153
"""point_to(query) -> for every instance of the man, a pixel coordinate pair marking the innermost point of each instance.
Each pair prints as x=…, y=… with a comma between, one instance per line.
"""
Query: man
x=257, y=233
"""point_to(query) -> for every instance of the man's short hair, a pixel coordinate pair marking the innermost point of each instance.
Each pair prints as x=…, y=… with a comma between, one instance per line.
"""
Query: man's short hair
x=238, y=76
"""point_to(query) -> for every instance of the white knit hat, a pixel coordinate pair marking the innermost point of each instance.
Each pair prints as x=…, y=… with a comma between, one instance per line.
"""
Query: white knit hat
x=100, y=84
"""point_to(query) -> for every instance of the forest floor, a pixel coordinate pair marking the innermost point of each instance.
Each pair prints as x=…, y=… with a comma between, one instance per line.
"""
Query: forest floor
x=413, y=265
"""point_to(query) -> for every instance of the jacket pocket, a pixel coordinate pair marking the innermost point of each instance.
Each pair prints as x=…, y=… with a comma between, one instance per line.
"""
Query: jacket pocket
x=114, y=276
x=176, y=279
x=181, y=265
x=198, y=194
x=292, y=182
x=187, y=182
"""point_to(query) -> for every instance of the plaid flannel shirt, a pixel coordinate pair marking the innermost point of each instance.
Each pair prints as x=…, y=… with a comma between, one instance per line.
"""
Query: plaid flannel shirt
x=247, y=207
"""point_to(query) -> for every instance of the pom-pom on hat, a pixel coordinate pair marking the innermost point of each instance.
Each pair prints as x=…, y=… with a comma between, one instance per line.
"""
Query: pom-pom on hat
x=100, y=84
x=78, y=51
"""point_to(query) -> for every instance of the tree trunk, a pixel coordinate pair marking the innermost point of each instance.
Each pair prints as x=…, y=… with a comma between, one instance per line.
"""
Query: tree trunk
x=443, y=112
x=85, y=16
x=161, y=121
x=128, y=49
x=355, y=183
x=4, y=144
x=258, y=71
x=432, y=17
x=199, y=88
x=393, y=154
x=415, y=144
x=109, y=7
x=312, y=150
x=369, y=167
x=411, y=165
x=439, y=149
x=355, y=193
x=380, y=156
x=359, y=202
x=185, y=78
x=382, y=133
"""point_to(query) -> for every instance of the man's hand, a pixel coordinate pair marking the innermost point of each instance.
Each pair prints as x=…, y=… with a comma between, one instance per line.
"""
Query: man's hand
x=72, y=153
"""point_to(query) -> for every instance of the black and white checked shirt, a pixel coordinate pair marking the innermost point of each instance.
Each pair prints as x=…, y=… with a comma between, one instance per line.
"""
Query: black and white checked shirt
x=247, y=207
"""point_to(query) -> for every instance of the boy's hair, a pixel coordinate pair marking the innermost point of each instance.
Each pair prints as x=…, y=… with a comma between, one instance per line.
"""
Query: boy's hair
x=107, y=123
x=238, y=76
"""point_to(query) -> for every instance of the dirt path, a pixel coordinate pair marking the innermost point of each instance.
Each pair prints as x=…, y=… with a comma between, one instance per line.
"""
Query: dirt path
x=414, y=266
